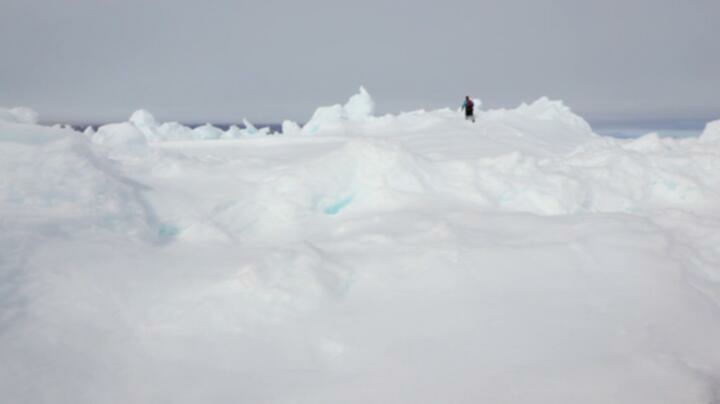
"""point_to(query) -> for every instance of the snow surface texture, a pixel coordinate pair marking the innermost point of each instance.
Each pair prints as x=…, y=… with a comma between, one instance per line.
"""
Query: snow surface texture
x=412, y=258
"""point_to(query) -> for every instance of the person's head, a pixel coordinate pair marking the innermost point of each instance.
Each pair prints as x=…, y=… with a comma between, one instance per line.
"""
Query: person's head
x=467, y=97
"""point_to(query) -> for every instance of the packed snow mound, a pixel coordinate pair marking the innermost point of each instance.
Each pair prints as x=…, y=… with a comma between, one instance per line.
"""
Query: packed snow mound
x=369, y=175
x=547, y=121
x=364, y=175
x=18, y=115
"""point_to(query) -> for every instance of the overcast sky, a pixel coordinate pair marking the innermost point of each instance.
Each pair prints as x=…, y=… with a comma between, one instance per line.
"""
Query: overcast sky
x=219, y=61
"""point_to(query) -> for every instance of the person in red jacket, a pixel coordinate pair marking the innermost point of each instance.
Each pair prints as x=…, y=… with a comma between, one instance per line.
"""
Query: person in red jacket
x=469, y=107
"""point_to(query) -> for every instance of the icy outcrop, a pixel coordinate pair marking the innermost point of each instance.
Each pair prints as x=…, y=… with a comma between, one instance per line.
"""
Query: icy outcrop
x=145, y=122
x=250, y=129
x=233, y=132
x=169, y=131
x=711, y=132
x=359, y=108
x=153, y=131
x=206, y=132
x=143, y=119
x=290, y=128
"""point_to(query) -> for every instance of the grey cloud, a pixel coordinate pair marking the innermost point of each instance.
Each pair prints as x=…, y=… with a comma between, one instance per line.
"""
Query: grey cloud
x=267, y=60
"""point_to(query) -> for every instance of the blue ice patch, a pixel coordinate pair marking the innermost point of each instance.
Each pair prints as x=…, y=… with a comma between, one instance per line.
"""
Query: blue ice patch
x=166, y=231
x=336, y=207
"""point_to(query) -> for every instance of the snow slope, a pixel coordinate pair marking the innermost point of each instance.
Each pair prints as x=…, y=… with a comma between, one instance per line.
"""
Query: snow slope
x=411, y=258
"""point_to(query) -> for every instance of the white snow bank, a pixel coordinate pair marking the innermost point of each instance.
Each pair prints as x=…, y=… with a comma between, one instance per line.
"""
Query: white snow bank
x=65, y=182
x=28, y=133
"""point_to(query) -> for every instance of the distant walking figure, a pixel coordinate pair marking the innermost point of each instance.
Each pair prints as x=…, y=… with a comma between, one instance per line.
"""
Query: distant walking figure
x=469, y=108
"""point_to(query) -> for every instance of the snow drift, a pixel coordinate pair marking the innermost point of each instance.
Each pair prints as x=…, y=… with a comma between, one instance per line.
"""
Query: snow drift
x=403, y=258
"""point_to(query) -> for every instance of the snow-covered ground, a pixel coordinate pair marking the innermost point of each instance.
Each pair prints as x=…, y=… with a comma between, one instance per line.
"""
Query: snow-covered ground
x=412, y=258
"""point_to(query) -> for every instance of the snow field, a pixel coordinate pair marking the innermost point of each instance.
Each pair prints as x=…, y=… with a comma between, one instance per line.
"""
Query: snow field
x=414, y=258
